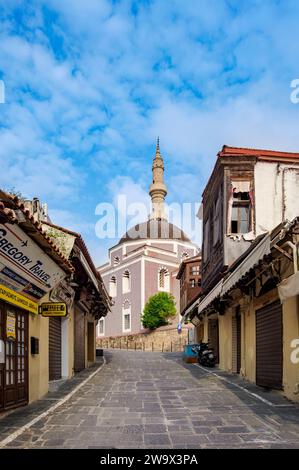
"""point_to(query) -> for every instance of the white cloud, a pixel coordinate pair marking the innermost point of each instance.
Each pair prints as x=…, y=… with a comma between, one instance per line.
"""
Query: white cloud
x=90, y=87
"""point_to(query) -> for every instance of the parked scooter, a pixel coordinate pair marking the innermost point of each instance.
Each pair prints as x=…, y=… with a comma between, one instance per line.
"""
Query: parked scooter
x=205, y=355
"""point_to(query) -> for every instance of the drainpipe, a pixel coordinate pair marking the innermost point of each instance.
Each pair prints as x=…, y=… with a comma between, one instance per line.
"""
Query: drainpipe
x=295, y=256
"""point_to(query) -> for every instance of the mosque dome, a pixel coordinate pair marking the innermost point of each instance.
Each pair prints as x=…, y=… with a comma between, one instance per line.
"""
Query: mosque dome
x=154, y=229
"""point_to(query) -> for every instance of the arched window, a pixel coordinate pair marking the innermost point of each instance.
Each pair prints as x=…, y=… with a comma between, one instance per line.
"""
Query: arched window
x=116, y=261
x=163, y=279
x=113, y=287
x=101, y=327
x=126, y=316
x=126, y=281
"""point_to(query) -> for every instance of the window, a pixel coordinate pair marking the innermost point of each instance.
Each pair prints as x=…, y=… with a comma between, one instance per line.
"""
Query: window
x=126, y=281
x=216, y=224
x=192, y=283
x=206, y=240
x=195, y=270
x=112, y=287
x=116, y=261
x=239, y=207
x=164, y=279
x=101, y=327
x=127, y=321
x=126, y=316
x=240, y=219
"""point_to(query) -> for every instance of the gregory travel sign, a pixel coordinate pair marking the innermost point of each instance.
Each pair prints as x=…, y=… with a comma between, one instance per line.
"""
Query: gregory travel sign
x=24, y=267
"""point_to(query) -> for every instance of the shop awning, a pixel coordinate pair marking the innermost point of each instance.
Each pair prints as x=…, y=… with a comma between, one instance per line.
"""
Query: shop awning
x=225, y=285
x=215, y=292
x=289, y=287
x=257, y=254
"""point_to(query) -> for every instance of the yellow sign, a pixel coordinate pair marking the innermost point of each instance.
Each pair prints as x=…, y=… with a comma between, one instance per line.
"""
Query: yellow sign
x=53, y=309
x=18, y=300
x=11, y=325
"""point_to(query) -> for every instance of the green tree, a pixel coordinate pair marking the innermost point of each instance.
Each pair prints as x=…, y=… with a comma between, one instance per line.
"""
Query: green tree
x=158, y=309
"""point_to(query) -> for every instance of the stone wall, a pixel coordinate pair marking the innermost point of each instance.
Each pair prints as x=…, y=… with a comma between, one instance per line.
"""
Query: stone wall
x=159, y=340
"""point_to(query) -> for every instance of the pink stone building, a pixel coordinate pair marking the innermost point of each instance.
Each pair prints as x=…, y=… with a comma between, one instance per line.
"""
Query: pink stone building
x=145, y=261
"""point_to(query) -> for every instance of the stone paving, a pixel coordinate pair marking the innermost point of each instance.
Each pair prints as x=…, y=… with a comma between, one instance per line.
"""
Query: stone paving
x=154, y=400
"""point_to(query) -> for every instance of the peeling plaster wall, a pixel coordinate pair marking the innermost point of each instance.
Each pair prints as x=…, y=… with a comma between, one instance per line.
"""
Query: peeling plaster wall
x=276, y=194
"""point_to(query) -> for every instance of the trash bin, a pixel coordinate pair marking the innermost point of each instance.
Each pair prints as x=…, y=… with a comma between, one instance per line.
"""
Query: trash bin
x=99, y=352
x=189, y=355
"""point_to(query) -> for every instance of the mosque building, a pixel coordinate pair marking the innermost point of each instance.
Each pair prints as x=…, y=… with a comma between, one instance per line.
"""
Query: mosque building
x=145, y=261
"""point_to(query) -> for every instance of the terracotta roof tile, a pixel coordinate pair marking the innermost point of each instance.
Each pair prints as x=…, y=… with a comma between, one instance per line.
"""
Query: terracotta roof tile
x=10, y=215
x=227, y=150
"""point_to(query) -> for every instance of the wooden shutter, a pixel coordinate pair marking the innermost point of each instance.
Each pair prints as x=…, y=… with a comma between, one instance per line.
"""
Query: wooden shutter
x=54, y=348
x=79, y=362
x=269, y=353
x=214, y=337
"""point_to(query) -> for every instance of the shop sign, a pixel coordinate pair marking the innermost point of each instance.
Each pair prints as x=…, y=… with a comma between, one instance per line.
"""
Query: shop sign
x=63, y=293
x=24, y=266
x=10, y=326
x=53, y=309
x=12, y=297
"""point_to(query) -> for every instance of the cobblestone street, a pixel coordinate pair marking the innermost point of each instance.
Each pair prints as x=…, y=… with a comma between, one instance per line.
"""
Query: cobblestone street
x=154, y=400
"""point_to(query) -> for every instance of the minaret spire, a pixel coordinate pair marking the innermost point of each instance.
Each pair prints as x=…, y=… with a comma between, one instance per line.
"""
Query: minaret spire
x=158, y=146
x=158, y=189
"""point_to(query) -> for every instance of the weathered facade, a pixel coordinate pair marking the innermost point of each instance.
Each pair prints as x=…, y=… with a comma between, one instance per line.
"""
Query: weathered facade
x=249, y=312
x=90, y=303
x=30, y=267
x=258, y=323
x=41, y=264
x=249, y=192
x=189, y=275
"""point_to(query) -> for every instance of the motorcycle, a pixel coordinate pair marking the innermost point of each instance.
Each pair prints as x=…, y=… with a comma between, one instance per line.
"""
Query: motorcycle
x=205, y=355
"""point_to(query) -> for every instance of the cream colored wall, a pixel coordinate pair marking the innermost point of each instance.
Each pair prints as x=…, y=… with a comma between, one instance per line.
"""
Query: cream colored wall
x=290, y=332
x=248, y=343
x=225, y=340
x=39, y=363
x=206, y=330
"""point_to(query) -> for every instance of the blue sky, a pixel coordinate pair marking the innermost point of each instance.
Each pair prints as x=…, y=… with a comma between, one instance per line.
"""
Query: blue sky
x=91, y=83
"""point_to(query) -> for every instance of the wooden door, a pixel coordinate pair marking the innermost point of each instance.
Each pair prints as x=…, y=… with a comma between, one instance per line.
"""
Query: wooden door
x=213, y=332
x=79, y=360
x=238, y=326
x=14, y=372
x=91, y=342
x=1, y=365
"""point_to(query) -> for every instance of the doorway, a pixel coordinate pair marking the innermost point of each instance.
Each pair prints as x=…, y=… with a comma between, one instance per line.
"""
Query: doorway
x=14, y=370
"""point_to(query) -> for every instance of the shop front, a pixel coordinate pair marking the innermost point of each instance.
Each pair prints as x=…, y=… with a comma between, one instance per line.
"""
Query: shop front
x=15, y=310
x=30, y=268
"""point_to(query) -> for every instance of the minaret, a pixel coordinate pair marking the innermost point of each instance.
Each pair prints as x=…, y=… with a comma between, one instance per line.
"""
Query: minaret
x=158, y=189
